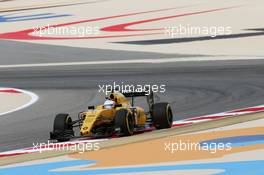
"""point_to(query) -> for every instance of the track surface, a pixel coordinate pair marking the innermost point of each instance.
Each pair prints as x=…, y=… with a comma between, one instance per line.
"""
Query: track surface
x=193, y=88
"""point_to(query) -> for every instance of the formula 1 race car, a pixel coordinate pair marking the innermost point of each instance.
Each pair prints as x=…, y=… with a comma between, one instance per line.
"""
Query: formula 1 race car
x=117, y=116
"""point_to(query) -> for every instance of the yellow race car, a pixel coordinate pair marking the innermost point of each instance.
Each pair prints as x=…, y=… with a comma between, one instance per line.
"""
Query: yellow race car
x=117, y=116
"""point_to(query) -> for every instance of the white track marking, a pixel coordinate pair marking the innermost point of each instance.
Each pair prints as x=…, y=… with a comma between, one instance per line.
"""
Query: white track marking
x=130, y=61
x=33, y=99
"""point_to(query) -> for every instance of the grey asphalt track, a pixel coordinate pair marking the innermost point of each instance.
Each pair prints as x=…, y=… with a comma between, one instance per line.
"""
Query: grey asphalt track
x=13, y=52
x=192, y=88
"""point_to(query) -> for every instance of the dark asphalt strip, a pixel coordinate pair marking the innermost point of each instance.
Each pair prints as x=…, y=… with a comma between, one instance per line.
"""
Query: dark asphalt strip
x=258, y=32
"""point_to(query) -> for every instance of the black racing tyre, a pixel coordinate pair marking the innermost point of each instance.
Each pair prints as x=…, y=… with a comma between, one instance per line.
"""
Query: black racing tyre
x=124, y=120
x=62, y=126
x=62, y=122
x=162, y=115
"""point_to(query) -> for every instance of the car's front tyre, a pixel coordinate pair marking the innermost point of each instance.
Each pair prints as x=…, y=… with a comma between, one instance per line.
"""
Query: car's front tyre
x=125, y=122
x=62, y=128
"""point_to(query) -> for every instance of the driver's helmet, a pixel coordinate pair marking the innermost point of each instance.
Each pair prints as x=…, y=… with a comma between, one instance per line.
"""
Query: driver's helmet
x=109, y=104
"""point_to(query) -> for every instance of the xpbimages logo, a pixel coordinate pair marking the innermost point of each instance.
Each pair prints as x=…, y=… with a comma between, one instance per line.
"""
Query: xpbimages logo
x=77, y=147
x=122, y=87
x=77, y=31
x=192, y=31
x=183, y=145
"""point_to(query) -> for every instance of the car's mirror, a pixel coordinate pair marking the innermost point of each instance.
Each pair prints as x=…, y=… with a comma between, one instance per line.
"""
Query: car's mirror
x=90, y=107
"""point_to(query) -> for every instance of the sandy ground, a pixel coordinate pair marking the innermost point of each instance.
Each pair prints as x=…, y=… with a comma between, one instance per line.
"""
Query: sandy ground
x=236, y=15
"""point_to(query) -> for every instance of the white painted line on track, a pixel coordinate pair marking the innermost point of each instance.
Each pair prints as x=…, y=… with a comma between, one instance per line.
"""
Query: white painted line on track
x=33, y=99
x=130, y=61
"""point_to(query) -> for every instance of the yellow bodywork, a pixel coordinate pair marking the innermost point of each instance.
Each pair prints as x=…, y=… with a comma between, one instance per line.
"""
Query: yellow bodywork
x=100, y=116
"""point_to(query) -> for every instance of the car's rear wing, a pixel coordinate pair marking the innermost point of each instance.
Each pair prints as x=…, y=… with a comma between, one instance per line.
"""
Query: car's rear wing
x=148, y=94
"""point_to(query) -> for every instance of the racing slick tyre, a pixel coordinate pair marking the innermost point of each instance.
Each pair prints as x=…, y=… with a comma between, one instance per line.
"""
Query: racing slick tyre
x=162, y=115
x=124, y=120
x=62, y=128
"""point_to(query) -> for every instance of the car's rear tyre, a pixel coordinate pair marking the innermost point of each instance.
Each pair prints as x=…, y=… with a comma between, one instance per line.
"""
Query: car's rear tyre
x=162, y=115
x=63, y=127
x=124, y=120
